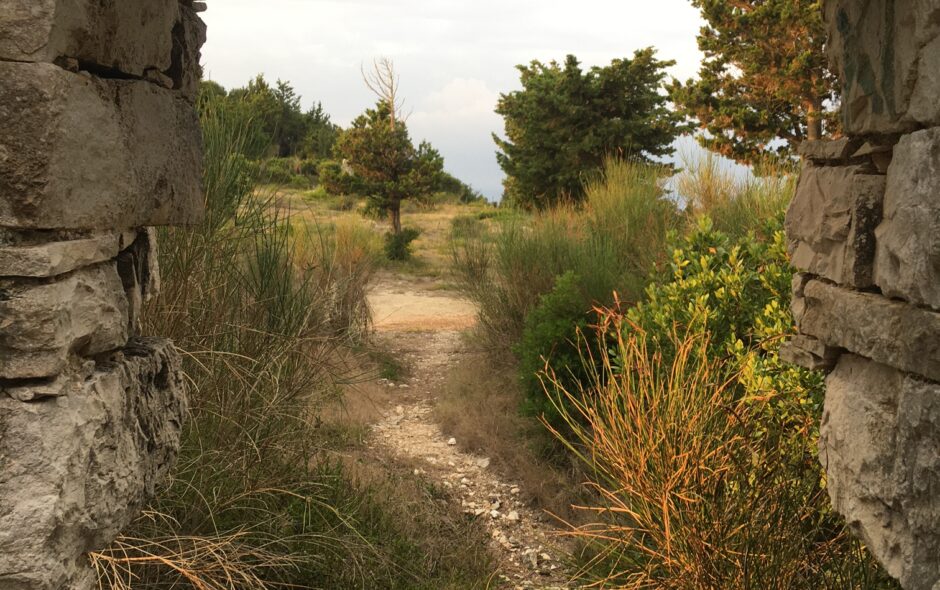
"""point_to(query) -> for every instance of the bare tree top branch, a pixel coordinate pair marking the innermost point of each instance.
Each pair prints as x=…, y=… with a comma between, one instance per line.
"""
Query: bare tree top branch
x=384, y=82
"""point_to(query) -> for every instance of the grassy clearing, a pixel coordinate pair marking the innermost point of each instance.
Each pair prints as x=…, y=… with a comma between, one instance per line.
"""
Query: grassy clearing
x=432, y=253
x=265, y=309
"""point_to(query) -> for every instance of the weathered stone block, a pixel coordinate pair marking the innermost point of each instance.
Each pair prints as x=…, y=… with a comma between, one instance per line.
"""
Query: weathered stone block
x=907, y=261
x=829, y=151
x=890, y=332
x=139, y=270
x=41, y=322
x=75, y=470
x=878, y=443
x=189, y=35
x=130, y=36
x=59, y=257
x=78, y=152
x=809, y=353
x=889, y=54
x=879, y=154
x=831, y=223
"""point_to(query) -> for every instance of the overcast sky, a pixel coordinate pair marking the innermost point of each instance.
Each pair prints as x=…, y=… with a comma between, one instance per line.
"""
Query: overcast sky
x=454, y=56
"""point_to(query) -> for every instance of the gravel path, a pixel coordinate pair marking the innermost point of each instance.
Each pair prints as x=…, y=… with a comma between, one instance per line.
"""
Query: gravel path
x=419, y=328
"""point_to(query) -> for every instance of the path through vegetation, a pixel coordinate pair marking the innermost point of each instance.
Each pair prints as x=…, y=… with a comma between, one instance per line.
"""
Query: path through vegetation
x=422, y=326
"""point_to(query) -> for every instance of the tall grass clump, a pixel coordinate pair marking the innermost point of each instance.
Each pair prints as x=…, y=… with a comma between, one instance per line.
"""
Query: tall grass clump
x=536, y=278
x=261, y=312
x=701, y=442
x=706, y=186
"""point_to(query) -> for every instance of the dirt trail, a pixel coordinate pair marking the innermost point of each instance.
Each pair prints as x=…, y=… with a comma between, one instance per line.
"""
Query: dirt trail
x=422, y=328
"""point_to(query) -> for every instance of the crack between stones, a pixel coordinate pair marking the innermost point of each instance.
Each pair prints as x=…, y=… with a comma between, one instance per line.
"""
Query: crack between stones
x=97, y=70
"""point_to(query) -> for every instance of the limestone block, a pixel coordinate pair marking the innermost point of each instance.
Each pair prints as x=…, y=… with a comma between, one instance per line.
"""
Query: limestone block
x=879, y=445
x=59, y=257
x=139, y=270
x=189, y=36
x=41, y=322
x=798, y=299
x=129, y=36
x=809, y=353
x=75, y=470
x=890, y=332
x=823, y=150
x=889, y=54
x=32, y=390
x=78, y=152
x=831, y=223
x=907, y=261
x=879, y=154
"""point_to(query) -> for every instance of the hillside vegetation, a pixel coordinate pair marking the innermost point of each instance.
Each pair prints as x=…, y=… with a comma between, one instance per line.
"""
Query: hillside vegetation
x=623, y=368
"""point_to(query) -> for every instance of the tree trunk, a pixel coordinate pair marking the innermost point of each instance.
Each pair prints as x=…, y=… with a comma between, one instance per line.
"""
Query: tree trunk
x=814, y=120
x=394, y=216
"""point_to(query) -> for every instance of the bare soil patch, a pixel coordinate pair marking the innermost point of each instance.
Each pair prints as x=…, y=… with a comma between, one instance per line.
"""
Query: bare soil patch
x=421, y=326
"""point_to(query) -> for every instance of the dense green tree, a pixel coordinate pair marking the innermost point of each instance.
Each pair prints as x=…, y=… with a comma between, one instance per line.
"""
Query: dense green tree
x=387, y=167
x=256, y=102
x=210, y=91
x=450, y=184
x=289, y=128
x=320, y=134
x=764, y=85
x=565, y=121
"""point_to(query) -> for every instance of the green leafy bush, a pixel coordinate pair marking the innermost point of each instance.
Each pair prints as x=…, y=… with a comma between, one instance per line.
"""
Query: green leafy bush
x=309, y=168
x=612, y=243
x=549, y=338
x=398, y=245
x=333, y=178
x=737, y=291
x=278, y=171
x=701, y=440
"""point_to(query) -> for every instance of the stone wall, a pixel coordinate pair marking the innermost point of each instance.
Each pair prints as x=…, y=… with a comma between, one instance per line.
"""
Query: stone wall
x=864, y=232
x=99, y=141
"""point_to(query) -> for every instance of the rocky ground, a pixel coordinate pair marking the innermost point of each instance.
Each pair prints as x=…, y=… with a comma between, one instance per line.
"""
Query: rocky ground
x=422, y=329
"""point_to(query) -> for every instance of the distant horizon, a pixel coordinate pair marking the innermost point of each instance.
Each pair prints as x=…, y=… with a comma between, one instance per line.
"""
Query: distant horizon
x=454, y=60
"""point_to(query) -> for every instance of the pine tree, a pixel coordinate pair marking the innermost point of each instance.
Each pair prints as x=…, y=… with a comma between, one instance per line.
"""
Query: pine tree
x=387, y=167
x=564, y=122
x=764, y=85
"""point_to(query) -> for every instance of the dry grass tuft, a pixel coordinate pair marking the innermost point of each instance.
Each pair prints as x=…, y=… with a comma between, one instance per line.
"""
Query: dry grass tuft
x=689, y=496
x=219, y=563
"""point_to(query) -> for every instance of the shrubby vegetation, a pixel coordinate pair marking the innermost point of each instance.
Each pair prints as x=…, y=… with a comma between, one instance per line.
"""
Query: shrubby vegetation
x=649, y=345
x=564, y=122
x=536, y=279
x=265, y=312
x=701, y=440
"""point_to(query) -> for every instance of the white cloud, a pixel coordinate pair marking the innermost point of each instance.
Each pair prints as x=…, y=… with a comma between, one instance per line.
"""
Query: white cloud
x=458, y=119
x=454, y=56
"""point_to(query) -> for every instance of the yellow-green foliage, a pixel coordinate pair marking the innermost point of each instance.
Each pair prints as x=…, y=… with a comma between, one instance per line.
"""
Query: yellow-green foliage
x=612, y=242
x=701, y=440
